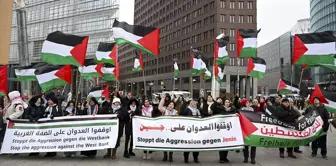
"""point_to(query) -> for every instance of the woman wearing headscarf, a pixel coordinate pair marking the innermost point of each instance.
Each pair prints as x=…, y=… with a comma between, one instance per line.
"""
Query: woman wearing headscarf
x=192, y=111
x=169, y=110
x=92, y=109
x=35, y=112
x=70, y=111
x=245, y=106
x=219, y=109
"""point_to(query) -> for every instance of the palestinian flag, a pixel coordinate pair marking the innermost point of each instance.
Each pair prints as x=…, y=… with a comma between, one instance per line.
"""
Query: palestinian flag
x=62, y=49
x=314, y=48
x=109, y=72
x=326, y=98
x=4, y=80
x=207, y=75
x=197, y=64
x=144, y=38
x=107, y=53
x=284, y=87
x=27, y=73
x=176, y=70
x=96, y=92
x=221, y=55
x=51, y=76
x=138, y=62
x=89, y=69
x=247, y=43
x=219, y=73
x=256, y=68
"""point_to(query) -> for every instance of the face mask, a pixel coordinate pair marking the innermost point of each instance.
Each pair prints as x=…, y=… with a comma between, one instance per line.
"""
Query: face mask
x=133, y=108
x=38, y=104
x=115, y=107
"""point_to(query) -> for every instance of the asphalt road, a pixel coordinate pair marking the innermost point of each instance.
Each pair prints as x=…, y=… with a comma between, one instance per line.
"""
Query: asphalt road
x=265, y=157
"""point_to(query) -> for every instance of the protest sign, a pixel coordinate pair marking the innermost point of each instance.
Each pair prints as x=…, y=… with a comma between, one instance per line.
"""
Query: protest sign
x=168, y=133
x=274, y=133
x=61, y=134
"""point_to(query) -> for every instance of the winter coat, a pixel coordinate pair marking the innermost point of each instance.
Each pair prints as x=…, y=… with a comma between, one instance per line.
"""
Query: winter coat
x=287, y=114
x=323, y=113
x=219, y=109
x=35, y=112
x=123, y=115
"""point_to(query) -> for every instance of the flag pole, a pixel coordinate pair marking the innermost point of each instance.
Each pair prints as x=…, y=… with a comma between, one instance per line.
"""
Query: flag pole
x=78, y=87
x=301, y=78
x=143, y=75
x=173, y=81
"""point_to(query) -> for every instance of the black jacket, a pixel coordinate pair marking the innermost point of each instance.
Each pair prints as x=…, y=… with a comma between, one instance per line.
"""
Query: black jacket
x=35, y=112
x=123, y=114
x=105, y=108
x=287, y=114
x=55, y=112
x=219, y=109
x=324, y=115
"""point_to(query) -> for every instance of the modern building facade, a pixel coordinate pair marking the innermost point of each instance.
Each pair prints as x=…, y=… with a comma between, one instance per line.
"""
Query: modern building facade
x=277, y=54
x=322, y=18
x=186, y=23
x=79, y=17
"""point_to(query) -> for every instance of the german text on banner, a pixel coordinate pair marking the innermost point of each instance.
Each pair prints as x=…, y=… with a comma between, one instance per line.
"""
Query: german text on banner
x=187, y=134
x=274, y=133
x=61, y=134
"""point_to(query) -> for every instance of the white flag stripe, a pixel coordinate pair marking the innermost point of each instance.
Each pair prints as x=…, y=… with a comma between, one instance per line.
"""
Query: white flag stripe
x=197, y=64
x=55, y=48
x=321, y=48
x=97, y=93
x=88, y=69
x=222, y=52
x=121, y=33
x=25, y=72
x=136, y=63
x=103, y=55
x=176, y=66
x=107, y=70
x=288, y=87
x=250, y=42
x=259, y=67
x=46, y=77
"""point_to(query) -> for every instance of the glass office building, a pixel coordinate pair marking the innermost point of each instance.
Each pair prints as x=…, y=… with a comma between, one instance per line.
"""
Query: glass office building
x=322, y=18
x=80, y=17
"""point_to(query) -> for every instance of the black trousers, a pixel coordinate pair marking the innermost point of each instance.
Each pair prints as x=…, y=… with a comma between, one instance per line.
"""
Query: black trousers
x=289, y=150
x=223, y=155
x=186, y=155
x=320, y=142
x=128, y=133
x=253, y=152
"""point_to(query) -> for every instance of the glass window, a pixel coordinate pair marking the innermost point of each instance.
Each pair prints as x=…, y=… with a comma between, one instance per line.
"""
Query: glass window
x=249, y=5
x=222, y=18
x=240, y=5
x=232, y=19
x=249, y=19
x=232, y=4
x=222, y=3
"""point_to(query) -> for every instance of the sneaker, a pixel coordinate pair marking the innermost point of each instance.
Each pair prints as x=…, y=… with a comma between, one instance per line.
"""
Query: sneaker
x=126, y=155
x=297, y=151
x=245, y=160
x=144, y=157
x=226, y=160
x=149, y=157
x=312, y=155
x=131, y=153
x=253, y=161
x=325, y=157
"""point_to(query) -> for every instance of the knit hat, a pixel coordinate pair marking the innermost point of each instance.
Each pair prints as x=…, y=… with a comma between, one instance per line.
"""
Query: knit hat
x=116, y=100
x=284, y=100
x=243, y=103
x=13, y=95
x=53, y=99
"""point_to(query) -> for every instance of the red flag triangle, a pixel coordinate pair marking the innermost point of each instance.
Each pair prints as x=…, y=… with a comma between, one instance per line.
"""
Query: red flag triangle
x=246, y=125
x=10, y=124
x=65, y=73
x=281, y=85
x=4, y=80
x=299, y=49
x=317, y=93
x=141, y=60
x=116, y=71
x=79, y=51
x=106, y=92
x=98, y=68
x=250, y=66
x=113, y=54
x=240, y=43
x=151, y=41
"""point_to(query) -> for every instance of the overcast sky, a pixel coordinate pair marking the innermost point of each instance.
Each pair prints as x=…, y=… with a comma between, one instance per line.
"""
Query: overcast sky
x=275, y=17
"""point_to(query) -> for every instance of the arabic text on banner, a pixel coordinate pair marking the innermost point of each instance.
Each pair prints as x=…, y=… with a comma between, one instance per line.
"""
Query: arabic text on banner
x=272, y=133
x=187, y=134
x=61, y=134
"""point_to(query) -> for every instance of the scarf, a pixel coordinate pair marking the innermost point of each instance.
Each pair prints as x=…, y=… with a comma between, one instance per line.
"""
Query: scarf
x=147, y=111
x=115, y=108
x=194, y=111
x=92, y=110
x=133, y=108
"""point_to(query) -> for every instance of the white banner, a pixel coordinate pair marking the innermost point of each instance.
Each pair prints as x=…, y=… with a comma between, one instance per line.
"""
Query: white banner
x=72, y=133
x=187, y=133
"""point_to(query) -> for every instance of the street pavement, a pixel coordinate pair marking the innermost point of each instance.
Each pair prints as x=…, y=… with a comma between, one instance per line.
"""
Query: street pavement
x=265, y=157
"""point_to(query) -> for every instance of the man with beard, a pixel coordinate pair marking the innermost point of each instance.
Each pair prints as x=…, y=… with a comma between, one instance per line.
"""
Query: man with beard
x=277, y=101
x=321, y=142
x=288, y=115
x=125, y=101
